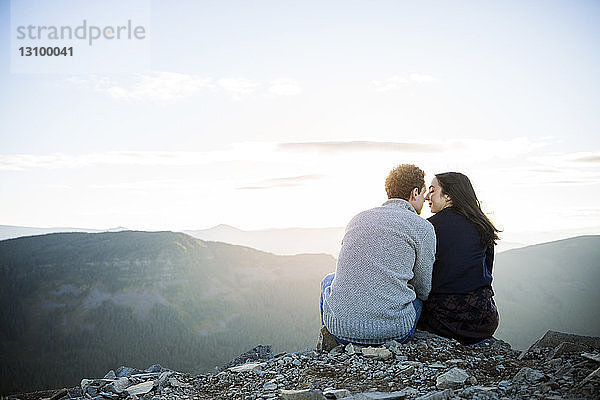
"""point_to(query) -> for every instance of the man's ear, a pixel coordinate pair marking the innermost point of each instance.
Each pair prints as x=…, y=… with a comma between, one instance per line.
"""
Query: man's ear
x=414, y=194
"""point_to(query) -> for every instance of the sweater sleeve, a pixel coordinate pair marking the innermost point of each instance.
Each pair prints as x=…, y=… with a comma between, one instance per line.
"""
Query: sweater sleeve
x=424, y=264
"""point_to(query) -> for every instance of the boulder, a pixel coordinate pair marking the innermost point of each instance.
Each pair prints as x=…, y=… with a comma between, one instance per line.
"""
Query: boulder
x=326, y=341
x=455, y=377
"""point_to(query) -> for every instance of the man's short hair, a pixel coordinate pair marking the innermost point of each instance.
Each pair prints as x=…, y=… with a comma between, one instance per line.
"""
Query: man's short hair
x=402, y=180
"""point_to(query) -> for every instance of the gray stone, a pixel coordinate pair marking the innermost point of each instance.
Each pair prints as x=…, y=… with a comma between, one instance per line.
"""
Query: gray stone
x=124, y=371
x=174, y=382
x=377, y=352
x=85, y=383
x=258, y=353
x=270, y=386
x=247, y=367
x=441, y=395
x=408, y=369
x=336, y=393
x=378, y=396
x=306, y=394
x=326, y=341
x=437, y=365
x=110, y=375
x=154, y=368
x=352, y=348
x=554, y=339
x=118, y=385
x=394, y=347
x=589, y=377
x=452, y=378
x=566, y=348
x=528, y=374
x=140, y=388
x=591, y=356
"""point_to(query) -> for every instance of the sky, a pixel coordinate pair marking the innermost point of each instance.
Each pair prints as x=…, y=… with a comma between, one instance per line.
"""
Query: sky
x=273, y=114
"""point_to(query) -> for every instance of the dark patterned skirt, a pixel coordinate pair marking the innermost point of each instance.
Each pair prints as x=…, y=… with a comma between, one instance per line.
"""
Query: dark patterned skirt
x=466, y=317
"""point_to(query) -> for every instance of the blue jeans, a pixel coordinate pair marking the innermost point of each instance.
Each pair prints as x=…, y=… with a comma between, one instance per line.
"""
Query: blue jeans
x=417, y=304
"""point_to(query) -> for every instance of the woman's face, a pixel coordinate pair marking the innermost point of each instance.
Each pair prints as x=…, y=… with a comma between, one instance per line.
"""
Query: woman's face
x=437, y=200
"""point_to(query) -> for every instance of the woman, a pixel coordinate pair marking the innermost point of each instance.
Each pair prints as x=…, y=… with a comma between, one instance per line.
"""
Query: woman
x=460, y=305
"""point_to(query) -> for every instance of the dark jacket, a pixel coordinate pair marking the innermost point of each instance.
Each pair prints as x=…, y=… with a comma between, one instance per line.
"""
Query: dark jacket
x=461, y=265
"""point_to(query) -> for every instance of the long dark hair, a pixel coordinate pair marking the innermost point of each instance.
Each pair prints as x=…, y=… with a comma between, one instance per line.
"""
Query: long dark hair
x=465, y=203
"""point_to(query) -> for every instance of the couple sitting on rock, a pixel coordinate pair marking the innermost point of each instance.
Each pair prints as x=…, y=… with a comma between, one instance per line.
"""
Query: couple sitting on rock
x=397, y=271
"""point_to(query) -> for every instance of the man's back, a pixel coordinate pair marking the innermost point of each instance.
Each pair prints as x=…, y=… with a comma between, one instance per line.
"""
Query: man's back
x=386, y=256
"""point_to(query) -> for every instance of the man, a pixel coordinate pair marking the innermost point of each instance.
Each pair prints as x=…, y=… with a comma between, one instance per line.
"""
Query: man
x=384, y=268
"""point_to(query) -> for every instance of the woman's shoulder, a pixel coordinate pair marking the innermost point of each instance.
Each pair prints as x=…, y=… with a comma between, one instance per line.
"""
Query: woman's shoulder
x=446, y=214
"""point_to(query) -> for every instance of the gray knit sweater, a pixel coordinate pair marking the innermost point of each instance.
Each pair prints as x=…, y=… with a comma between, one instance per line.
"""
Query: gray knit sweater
x=385, y=262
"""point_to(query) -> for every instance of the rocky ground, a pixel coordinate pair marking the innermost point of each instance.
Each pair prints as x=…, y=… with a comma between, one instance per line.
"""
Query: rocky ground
x=558, y=366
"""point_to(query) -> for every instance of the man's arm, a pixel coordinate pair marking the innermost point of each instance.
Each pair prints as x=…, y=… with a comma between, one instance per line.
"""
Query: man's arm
x=424, y=264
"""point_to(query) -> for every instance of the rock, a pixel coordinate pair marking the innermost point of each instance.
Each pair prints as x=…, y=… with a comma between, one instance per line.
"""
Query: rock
x=352, y=348
x=258, y=353
x=246, y=367
x=437, y=365
x=394, y=347
x=591, y=356
x=124, y=371
x=162, y=378
x=304, y=374
x=554, y=339
x=118, y=385
x=377, y=352
x=408, y=369
x=306, y=394
x=441, y=395
x=110, y=375
x=58, y=395
x=326, y=341
x=590, y=376
x=452, y=378
x=529, y=375
x=140, y=388
x=176, y=384
x=154, y=368
x=567, y=347
x=378, y=396
x=85, y=383
x=480, y=393
x=336, y=393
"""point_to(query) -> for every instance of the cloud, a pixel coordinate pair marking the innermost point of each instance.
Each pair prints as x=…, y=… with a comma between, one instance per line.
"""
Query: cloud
x=284, y=87
x=397, y=82
x=588, y=158
x=240, y=151
x=360, y=146
x=282, y=182
x=166, y=87
x=422, y=78
x=238, y=86
x=156, y=86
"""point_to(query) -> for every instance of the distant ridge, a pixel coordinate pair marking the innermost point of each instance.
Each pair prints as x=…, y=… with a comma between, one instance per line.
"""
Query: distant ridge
x=284, y=241
x=548, y=286
x=11, y=231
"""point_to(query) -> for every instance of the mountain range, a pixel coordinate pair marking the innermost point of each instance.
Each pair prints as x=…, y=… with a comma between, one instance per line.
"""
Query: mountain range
x=78, y=304
x=282, y=241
